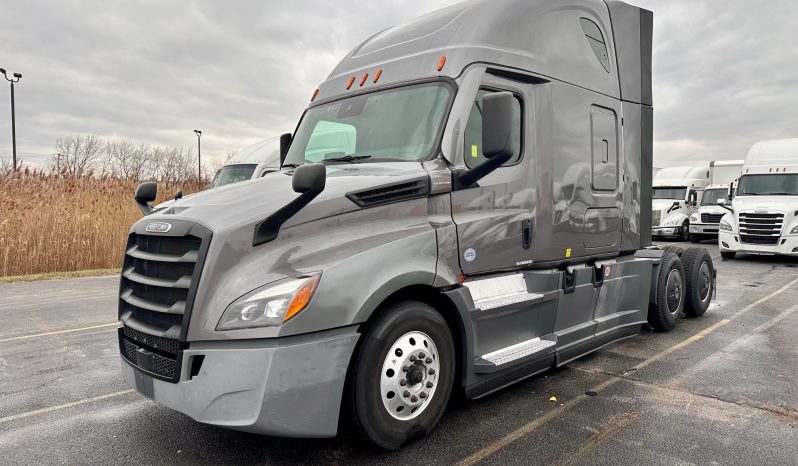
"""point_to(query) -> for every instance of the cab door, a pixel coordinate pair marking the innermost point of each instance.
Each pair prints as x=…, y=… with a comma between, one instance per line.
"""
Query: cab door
x=494, y=218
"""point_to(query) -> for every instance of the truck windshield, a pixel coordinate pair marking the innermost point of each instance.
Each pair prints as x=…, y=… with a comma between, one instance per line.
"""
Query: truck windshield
x=711, y=196
x=400, y=124
x=768, y=185
x=670, y=193
x=230, y=174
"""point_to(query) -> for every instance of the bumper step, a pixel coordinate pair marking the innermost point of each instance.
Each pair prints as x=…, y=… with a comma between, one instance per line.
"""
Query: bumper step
x=494, y=360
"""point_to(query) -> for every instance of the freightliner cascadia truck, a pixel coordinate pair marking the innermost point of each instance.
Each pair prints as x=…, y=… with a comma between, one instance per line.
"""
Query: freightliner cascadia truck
x=490, y=220
x=675, y=199
x=763, y=214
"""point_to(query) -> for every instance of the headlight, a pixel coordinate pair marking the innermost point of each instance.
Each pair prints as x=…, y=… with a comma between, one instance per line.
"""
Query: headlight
x=725, y=226
x=672, y=222
x=794, y=230
x=269, y=305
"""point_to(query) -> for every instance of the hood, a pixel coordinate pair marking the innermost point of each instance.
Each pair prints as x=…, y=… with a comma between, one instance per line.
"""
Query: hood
x=248, y=202
x=782, y=204
x=664, y=204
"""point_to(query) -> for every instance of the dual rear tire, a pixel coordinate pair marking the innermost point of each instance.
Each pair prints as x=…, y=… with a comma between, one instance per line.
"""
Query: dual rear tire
x=685, y=284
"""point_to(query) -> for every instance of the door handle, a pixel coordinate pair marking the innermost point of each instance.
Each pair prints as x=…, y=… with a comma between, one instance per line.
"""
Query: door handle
x=527, y=231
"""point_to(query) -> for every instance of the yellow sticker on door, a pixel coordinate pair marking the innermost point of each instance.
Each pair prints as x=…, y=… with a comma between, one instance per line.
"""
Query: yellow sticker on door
x=567, y=252
x=474, y=150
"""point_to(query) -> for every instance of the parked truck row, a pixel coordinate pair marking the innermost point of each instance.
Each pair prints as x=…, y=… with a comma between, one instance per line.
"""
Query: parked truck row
x=466, y=202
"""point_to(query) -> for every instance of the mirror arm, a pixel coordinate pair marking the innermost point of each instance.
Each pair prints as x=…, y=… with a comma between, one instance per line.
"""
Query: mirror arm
x=727, y=207
x=266, y=230
x=145, y=208
x=466, y=178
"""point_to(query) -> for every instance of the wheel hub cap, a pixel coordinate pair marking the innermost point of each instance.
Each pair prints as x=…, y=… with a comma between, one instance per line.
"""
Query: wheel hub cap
x=409, y=375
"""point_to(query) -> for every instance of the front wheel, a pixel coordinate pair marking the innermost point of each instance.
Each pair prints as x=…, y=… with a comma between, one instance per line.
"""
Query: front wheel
x=684, y=235
x=402, y=376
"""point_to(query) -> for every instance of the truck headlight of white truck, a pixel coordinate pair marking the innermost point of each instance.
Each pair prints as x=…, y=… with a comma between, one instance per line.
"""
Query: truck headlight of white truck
x=725, y=226
x=269, y=305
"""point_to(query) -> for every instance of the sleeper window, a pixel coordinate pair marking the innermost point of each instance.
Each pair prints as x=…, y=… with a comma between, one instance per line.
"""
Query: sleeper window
x=472, y=149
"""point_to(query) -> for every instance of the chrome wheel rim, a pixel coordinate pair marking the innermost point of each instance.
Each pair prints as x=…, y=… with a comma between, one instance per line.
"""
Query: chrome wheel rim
x=409, y=375
x=673, y=291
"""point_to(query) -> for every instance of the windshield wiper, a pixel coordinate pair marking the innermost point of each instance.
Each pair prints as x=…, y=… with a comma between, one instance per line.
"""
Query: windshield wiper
x=347, y=158
x=778, y=194
x=289, y=165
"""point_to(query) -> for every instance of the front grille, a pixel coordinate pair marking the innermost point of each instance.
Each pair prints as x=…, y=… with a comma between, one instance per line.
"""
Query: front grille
x=711, y=218
x=159, y=281
x=656, y=217
x=760, y=228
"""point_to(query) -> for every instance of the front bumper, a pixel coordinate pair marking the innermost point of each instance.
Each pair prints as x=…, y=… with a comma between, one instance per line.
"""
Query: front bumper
x=284, y=386
x=667, y=231
x=730, y=242
x=704, y=228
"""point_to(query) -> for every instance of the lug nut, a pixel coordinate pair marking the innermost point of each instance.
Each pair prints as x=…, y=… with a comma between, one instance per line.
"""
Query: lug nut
x=422, y=395
x=429, y=361
x=431, y=372
x=429, y=384
x=406, y=394
x=405, y=368
x=403, y=382
x=413, y=399
x=412, y=358
x=422, y=355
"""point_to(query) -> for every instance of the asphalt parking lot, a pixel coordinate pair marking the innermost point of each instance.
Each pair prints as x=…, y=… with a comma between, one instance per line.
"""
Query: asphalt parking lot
x=719, y=389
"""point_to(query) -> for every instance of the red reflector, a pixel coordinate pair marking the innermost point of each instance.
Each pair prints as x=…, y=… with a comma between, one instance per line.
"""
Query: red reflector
x=315, y=93
x=351, y=81
x=441, y=62
x=377, y=75
x=364, y=78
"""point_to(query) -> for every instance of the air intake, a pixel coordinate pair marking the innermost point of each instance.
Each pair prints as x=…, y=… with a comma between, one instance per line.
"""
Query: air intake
x=391, y=193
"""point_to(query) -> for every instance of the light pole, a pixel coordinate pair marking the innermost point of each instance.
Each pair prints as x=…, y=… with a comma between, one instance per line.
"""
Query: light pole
x=13, y=80
x=199, y=156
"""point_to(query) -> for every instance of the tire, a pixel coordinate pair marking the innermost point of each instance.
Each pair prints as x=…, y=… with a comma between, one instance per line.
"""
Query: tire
x=726, y=255
x=667, y=311
x=403, y=331
x=694, y=238
x=684, y=235
x=678, y=250
x=699, y=274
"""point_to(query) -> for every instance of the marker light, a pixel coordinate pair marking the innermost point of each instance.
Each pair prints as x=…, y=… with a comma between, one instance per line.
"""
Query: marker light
x=441, y=62
x=351, y=81
x=315, y=93
x=269, y=305
x=377, y=75
x=364, y=78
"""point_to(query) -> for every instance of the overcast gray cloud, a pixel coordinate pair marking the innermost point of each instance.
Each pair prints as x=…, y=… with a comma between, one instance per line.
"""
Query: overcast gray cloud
x=725, y=71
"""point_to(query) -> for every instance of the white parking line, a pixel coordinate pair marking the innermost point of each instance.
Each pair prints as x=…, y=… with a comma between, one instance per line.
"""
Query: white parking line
x=53, y=300
x=64, y=406
x=25, y=337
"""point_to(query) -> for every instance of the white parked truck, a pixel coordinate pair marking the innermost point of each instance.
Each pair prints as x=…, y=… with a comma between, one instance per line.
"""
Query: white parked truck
x=704, y=222
x=675, y=198
x=253, y=162
x=763, y=217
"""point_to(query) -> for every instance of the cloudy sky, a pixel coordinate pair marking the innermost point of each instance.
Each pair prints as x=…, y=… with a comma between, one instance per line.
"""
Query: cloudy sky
x=726, y=71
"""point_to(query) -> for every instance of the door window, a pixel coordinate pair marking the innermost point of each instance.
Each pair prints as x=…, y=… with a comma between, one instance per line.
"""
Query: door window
x=472, y=149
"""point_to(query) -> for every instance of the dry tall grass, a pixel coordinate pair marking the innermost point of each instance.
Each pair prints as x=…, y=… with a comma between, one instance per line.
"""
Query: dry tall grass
x=50, y=224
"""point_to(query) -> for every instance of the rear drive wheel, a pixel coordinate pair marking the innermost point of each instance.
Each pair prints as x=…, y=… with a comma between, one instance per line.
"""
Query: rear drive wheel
x=666, y=313
x=403, y=375
x=727, y=254
x=699, y=274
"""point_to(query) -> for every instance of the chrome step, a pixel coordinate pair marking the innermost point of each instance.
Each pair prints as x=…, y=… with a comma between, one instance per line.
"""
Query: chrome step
x=505, y=300
x=518, y=351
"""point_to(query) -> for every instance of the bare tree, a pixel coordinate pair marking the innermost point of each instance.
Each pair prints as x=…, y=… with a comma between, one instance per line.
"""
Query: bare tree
x=77, y=155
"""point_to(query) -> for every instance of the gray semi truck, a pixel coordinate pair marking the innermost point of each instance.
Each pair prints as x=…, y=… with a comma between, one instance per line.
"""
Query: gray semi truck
x=465, y=203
